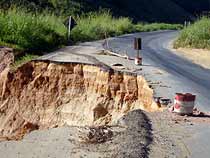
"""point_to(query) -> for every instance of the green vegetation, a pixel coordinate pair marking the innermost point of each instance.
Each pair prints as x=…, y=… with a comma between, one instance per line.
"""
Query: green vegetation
x=41, y=27
x=39, y=32
x=157, y=26
x=57, y=7
x=31, y=32
x=196, y=35
x=169, y=11
x=95, y=26
x=24, y=59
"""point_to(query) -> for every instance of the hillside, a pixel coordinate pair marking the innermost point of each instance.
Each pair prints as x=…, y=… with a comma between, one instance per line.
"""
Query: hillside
x=154, y=11
x=140, y=10
x=194, y=6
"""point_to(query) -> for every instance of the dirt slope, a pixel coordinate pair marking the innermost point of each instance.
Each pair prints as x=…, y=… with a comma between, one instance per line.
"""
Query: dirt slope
x=44, y=94
x=6, y=58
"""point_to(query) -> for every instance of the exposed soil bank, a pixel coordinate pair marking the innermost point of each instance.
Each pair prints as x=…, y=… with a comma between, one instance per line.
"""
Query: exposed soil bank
x=6, y=58
x=43, y=94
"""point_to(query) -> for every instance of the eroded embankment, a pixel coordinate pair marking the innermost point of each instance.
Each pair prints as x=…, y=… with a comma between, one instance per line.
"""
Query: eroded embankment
x=44, y=94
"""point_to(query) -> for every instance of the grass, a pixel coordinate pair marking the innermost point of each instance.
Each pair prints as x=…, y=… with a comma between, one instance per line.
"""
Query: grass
x=95, y=26
x=24, y=59
x=35, y=33
x=140, y=27
x=40, y=32
x=139, y=10
x=31, y=32
x=195, y=36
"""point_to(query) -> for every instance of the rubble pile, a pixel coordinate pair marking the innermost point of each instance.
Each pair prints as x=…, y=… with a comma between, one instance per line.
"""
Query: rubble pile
x=198, y=113
x=98, y=134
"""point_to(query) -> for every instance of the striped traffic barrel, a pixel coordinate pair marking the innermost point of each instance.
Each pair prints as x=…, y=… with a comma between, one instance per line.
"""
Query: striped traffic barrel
x=184, y=103
x=138, y=61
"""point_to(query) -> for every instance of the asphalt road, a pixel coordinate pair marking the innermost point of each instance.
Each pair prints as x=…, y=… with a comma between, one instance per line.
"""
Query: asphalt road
x=187, y=76
x=178, y=75
x=181, y=75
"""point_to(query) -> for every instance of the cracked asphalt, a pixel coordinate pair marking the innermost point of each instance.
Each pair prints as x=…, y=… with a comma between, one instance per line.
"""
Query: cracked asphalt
x=178, y=75
x=164, y=70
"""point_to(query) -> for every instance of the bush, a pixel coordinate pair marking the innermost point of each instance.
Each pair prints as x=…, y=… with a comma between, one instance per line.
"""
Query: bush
x=31, y=32
x=95, y=26
x=38, y=32
x=23, y=59
x=157, y=26
x=196, y=35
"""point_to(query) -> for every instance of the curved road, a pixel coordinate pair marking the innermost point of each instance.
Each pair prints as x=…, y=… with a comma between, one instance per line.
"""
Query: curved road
x=181, y=75
x=160, y=65
x=187, y=76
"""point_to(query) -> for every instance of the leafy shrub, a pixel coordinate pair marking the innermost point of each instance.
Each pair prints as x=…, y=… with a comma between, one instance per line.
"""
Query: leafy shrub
x=157, y=26
x=196, y=35
x=23, y=59
x=32, y=32
x=38, y=32
x=95, y=26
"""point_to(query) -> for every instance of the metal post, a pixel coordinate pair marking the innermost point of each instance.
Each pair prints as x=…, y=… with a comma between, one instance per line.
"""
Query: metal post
x=189, y=23
x=69, y=29
x=185, y=24
x=107, y=42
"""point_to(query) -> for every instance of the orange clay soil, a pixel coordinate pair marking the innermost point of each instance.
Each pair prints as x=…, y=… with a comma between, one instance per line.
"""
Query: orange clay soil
x=42, y=94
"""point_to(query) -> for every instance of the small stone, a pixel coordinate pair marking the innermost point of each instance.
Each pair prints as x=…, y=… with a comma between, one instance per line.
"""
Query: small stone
x=176, y=122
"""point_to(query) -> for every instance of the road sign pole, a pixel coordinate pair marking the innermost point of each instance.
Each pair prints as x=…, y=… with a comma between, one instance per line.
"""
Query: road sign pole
x=69, y=29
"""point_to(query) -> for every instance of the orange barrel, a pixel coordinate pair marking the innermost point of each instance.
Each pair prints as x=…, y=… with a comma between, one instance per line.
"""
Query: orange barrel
x=184, y=103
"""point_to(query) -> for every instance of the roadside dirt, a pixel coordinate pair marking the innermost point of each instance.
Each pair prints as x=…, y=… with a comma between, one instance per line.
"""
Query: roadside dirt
x=6, y=58
x=42, y=94
x=130, y=136
x=46, y=96
x=168, y=136
x=197, y=56
x=84, y=111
